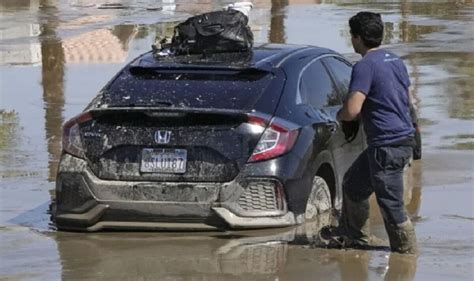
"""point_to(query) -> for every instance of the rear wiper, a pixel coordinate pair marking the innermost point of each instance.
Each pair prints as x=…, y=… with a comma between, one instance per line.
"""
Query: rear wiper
x=137, y=70
x=154, y=103
x=161, y=103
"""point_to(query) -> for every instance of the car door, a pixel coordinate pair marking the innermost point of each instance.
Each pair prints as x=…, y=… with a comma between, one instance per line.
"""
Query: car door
x=318, y=90
x=345, y=153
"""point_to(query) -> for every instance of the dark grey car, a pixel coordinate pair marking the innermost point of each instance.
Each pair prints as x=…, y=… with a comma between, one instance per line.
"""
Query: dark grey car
x=236, y=140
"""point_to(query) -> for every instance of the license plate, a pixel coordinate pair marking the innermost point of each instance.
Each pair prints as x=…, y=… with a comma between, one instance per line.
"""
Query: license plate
x=169, y=161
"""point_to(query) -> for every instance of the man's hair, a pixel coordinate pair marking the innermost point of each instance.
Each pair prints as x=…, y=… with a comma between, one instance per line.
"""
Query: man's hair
x=369, y=27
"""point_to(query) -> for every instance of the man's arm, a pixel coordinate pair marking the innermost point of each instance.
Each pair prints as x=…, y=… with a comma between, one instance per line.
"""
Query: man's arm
x=352, y=107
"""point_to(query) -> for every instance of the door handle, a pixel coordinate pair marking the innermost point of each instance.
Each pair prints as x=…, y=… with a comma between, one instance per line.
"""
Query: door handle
x=332, y=127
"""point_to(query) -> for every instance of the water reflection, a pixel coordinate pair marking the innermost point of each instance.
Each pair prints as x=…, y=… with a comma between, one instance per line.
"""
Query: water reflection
x=453, y=9
x=443, y=83
x=53, y=70
x=409, y=31
x=184, y=257
x=99, y=46
x=401, y=267
x=277, y=24
x=10, y=137
x=461, y=103
x=434, y=38
x=19, y=4
x=251, y=255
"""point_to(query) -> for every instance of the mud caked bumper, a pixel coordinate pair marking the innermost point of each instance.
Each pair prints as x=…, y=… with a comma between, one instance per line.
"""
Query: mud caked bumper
x=86, y=203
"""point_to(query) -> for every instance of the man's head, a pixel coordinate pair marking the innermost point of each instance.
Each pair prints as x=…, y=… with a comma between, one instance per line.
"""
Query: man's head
x=366, y=31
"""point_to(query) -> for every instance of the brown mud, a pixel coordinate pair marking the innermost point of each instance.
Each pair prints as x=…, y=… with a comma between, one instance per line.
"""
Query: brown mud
x=55, y=55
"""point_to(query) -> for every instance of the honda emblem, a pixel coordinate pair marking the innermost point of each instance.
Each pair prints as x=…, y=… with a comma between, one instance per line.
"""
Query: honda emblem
x=162, y=137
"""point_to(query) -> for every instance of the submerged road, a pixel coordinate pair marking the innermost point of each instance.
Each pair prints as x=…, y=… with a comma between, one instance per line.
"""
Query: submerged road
x=55, y=55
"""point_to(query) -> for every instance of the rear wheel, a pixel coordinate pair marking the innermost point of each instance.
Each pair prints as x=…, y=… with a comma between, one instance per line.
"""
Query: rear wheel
x=318, y=208
x=319, y=200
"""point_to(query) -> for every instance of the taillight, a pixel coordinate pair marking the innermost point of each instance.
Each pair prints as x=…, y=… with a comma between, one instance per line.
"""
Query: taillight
x=72, y=142
x=276, y=140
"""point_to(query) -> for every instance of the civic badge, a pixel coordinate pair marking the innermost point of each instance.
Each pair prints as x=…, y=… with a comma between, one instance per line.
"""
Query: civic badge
x=162, y=137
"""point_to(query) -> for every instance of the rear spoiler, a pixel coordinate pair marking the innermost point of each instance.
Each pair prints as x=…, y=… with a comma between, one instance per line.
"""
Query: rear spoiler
x=236, y=62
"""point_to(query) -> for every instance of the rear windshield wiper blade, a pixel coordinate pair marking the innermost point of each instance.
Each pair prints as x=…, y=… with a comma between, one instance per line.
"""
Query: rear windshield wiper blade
x=197, y=73
x=155, y=104
x=137, y=70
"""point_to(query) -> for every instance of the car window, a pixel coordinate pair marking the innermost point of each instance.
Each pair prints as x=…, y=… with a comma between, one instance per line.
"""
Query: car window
x=238, y=90
x=316, y=87
x=342, y=74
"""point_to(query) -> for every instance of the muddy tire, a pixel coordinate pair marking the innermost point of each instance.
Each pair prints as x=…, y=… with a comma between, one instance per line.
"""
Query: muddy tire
x=318, y=210
x=319, y=200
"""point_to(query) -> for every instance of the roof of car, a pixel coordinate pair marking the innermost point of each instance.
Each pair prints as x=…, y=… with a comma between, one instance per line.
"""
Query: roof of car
x=260, y=57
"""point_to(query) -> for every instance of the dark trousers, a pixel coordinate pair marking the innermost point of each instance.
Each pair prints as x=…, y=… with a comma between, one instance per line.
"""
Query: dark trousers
x=379, y=170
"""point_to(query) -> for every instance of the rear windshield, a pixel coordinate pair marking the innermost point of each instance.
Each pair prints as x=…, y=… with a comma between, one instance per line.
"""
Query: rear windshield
x=236, y=89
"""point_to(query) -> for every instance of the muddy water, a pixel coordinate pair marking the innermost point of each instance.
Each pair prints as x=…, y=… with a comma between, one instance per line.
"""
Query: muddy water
x=55, y=56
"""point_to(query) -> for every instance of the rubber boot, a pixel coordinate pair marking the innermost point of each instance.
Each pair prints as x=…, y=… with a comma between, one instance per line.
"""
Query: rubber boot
x=402, y=237
x=353, y=230
x=355, y=221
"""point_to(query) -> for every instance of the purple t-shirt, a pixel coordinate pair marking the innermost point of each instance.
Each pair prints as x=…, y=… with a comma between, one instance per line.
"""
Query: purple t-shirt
x=383, y=78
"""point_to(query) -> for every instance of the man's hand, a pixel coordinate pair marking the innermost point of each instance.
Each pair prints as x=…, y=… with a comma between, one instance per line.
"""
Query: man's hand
x=352, y=107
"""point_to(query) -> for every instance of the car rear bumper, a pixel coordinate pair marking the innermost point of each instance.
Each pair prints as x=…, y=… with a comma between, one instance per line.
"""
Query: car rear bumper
x=87, y=203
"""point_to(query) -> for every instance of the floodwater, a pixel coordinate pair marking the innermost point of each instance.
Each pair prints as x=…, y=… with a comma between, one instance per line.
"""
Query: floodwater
x=55, y=55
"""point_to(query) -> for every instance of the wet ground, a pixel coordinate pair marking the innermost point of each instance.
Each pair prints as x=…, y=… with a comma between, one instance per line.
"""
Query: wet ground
x=56, y=55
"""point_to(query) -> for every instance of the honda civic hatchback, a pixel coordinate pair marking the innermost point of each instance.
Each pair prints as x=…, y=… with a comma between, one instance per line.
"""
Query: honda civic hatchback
x=222, y=141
